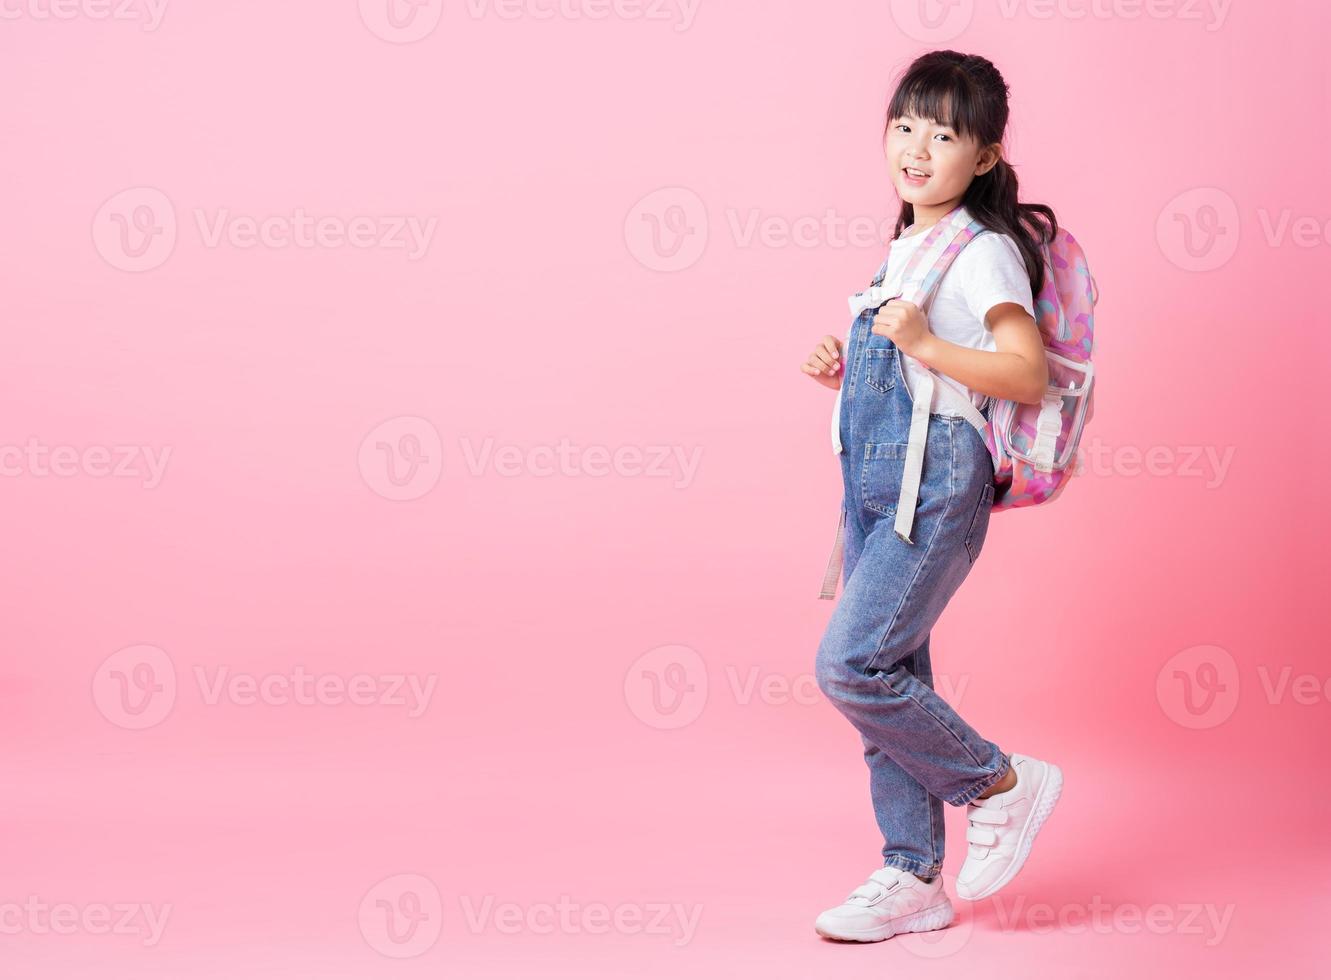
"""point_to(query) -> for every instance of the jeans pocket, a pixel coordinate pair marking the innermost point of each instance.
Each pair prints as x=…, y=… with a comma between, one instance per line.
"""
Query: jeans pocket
x=979, y=528
x=880, y=476
x=880, y=372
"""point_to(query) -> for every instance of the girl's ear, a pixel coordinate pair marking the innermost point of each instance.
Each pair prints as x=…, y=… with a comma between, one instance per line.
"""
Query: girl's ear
x=989, y=158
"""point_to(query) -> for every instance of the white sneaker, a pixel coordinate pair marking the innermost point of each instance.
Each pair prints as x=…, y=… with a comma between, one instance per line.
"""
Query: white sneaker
x=891, y=901
x=1003, y=827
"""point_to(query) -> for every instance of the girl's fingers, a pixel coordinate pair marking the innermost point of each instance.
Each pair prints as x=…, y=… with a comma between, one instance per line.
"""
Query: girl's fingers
x=826, y=363
x=825, y=359
x=811, y=370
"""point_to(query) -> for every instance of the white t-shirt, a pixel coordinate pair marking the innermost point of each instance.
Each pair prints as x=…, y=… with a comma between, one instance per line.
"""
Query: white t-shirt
x=988, y=271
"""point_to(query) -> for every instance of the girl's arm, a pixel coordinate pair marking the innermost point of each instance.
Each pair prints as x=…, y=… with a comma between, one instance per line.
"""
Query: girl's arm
x=1017, y=370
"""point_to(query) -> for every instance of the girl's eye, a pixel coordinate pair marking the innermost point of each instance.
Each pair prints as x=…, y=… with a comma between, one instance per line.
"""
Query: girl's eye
x=904, y=126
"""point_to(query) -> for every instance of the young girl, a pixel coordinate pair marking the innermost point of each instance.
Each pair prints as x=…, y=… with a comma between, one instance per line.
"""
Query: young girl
x=943, y=145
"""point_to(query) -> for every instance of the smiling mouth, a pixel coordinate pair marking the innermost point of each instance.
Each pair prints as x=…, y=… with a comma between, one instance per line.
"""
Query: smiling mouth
x=912, y=172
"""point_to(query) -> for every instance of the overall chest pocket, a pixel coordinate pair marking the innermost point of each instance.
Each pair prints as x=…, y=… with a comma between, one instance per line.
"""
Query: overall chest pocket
x=880, y=368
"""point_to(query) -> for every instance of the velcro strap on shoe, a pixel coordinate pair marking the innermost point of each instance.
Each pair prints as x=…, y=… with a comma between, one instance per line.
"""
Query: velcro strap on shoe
x=981, y=835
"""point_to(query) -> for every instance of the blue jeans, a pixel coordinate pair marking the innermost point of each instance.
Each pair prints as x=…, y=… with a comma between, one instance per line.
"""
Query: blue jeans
x=873, y=661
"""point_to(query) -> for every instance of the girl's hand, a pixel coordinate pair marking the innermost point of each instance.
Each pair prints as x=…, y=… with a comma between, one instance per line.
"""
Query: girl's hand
x=903, y=323
x=824, y=364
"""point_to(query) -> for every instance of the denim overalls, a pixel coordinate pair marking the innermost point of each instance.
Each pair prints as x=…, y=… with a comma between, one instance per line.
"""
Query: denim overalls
x=873, y=661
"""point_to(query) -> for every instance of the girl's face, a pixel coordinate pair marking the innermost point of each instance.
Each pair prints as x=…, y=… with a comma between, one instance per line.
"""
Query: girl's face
x=931, y=165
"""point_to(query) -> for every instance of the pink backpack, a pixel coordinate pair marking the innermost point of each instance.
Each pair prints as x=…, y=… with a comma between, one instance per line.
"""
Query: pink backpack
x=1037, y=443
x=1032, y=446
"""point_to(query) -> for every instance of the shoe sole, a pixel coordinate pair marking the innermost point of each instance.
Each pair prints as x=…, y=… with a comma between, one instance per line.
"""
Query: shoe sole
x=1044, y=805
x=934, y=917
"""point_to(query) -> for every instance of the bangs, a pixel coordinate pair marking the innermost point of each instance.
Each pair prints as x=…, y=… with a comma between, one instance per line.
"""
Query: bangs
x=941, y=95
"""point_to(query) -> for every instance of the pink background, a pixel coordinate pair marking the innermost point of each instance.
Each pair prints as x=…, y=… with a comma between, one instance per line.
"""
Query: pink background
x=590, y=280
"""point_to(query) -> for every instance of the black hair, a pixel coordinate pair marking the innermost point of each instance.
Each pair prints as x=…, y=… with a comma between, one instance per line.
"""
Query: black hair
x=966, y=93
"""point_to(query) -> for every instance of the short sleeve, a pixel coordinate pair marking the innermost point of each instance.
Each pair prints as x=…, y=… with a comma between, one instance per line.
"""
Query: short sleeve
x=992, y=271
